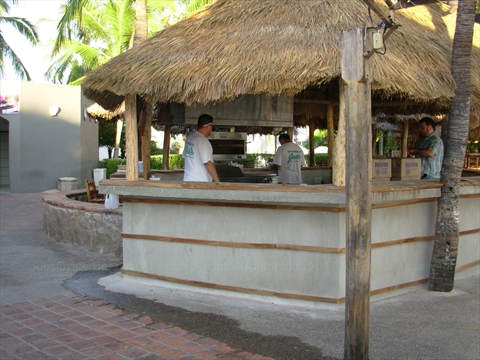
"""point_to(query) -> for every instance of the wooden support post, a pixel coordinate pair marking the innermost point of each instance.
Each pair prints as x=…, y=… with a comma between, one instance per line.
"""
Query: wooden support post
x=331, y=133
x=290, y=133
x=339, y=149
x=131, y=137
x=146, y=115
x=118, y=137
x=166, y=147
x=311, y=139
x=404, y=139
x=356, y=75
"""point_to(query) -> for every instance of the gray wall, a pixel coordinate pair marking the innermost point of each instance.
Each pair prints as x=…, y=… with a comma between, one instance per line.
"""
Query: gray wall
x=4, y=157
x=44, y=148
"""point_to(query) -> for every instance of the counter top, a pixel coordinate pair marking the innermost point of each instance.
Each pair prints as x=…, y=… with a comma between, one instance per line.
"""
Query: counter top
x=382, y=191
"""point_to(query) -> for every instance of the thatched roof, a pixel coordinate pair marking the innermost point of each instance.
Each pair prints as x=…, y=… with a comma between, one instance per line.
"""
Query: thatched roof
x=234, y=47
x=97, y=112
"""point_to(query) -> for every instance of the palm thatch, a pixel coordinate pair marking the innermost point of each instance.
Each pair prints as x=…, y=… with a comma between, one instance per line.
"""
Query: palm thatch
x=97, y=112
x=232, y=48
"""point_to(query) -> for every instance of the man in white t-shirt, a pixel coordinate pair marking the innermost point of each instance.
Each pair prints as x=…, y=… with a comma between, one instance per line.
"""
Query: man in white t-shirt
x=289, y=160
x=197, y=153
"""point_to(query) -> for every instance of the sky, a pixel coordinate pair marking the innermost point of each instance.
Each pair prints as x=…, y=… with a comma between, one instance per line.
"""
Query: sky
x=36, y=60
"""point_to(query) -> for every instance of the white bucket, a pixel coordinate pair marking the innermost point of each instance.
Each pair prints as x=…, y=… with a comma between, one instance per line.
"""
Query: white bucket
x=99, y=174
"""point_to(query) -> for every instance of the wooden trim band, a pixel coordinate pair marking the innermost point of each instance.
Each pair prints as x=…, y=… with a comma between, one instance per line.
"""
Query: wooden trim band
x=236, y=244
x=279, y=294
x=402, y=203
x=233, y=288
x=293, y=247
x=468, y=232
x=397, y=287
x=469, y=196
x=466, y=266
x=235, y=204
x=253, y=205
x=403, y=241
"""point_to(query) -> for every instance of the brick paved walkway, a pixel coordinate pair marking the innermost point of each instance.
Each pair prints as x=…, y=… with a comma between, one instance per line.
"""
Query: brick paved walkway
x=73, y=326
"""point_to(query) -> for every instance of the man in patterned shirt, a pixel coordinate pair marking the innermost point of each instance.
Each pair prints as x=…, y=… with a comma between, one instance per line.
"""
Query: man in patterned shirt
x=429, y=149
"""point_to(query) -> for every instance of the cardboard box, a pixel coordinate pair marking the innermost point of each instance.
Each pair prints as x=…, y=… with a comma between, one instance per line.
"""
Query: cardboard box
x=406, y=168
x=381, y=168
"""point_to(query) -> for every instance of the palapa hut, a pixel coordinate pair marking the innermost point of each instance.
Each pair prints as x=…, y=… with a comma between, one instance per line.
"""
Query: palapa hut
x=263, y=238
x=271, y=47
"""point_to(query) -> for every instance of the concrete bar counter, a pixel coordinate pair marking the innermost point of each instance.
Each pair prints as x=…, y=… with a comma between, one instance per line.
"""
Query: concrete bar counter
x=283, y=243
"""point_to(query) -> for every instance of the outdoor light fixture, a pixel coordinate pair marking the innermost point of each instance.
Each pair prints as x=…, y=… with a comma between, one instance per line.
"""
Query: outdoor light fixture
x=54, y=110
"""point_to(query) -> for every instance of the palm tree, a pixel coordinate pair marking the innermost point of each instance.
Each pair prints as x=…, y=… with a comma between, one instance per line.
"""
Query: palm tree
x=24, y=27
x=91, y=32
x=101, y=31
x=444, y=257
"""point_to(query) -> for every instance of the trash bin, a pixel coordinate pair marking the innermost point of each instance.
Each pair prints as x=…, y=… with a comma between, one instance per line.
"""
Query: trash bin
x=99, y=174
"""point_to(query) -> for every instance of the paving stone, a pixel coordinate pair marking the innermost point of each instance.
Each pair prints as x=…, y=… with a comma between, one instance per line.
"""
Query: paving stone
x=73, y=326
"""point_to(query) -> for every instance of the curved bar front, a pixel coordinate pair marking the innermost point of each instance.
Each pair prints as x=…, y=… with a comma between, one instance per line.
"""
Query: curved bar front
x=283, y=242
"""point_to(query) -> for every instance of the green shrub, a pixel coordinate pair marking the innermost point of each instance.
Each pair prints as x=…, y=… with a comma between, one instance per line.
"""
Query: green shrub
x=111, y=165
x=320, y=159
x=176, y=162
x=156, y=162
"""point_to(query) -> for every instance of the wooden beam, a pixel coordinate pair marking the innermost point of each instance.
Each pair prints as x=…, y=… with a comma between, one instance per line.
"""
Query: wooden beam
x=339, y=149
x=290, y=132
x=356, y=76
x=311, y=138
x=146, y=115
x=404, y=139
x=331, y=134
x=131, y=137
x=377, y=10
x=118, y=137
x=166, y=147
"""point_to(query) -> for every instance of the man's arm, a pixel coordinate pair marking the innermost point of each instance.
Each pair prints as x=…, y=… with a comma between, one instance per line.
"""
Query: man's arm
x=212, y=171
x=421, y=152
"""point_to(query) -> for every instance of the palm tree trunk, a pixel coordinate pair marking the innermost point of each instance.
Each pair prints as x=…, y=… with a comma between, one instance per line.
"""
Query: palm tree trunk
x=444, y=256
x=145, y=113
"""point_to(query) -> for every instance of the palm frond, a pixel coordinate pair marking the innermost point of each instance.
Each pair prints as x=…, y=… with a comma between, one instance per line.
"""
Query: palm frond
x=23, y=26
x=7, y=52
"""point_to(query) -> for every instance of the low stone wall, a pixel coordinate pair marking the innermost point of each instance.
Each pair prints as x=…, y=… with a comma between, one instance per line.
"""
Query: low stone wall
x=68, y=219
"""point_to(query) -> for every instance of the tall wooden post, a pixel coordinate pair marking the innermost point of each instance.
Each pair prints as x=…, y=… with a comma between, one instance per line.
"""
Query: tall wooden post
x=131, y=138
x=404, y=139
x=166, y=147
x=146, y=138
x=339, y=149
x=118, y=137
x=331, y=132
x=290, y=132
x=357, y=86
x=311, y=138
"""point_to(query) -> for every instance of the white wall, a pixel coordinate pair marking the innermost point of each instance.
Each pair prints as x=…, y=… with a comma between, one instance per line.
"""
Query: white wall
x=44, y=148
